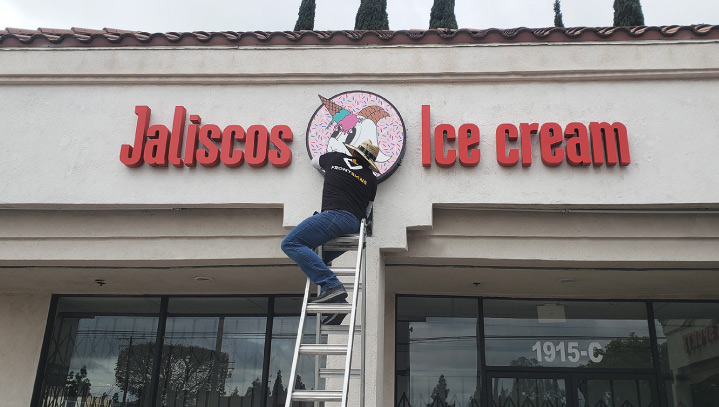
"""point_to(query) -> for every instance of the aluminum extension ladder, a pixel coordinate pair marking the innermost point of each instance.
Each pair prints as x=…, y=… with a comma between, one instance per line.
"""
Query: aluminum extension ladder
x=344, y=243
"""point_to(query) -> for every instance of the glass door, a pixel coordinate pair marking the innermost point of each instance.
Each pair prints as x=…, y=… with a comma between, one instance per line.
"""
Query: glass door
x=525, y=389
x=529, y=390
x=611, y=390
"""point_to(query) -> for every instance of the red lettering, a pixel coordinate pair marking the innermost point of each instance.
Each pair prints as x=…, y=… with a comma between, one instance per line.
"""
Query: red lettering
x=256, y=146
x=158, y=139
x=507, y=132
x=210, y=155
x=178, y=128
x=132, y=155
x=550, y=136
x=282, y=156
x=606, y=137
x=191, y=142
x=527, y=130
x=468, y=138
x=426, y=138
x=577, y=148
x=232, y=158
x=440, y=132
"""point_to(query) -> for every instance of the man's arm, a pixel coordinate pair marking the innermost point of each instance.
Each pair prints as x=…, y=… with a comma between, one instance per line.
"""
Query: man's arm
x=369, y=209
x=316, y=162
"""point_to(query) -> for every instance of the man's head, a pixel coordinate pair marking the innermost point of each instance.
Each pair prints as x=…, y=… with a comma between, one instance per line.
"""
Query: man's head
x=367, y=151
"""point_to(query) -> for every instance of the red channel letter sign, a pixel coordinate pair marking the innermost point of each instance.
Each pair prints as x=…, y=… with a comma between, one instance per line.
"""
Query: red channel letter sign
x=576, y=144
x=206, y=144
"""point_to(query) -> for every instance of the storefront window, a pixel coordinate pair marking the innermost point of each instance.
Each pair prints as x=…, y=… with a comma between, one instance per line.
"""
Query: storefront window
x=520, y=333
x=213, y=360
x=103, y=352
x=437, y=352
x=688, y=339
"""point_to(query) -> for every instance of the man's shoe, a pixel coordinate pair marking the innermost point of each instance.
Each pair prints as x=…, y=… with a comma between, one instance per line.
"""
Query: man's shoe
x=334, y=319
x=334, y=294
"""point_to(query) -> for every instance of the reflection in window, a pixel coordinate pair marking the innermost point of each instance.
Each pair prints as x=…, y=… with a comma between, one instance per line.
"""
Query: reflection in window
x=566, y=334
x=612, y=392
x=688, y=338
x=212, y=361
x=102, y=352
x=549, y=392
x=100, y=360
x=437, y=352
x=284, y=333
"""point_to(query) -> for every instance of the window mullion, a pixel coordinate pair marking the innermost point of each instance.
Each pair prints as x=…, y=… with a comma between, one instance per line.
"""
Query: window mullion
x=159, y=344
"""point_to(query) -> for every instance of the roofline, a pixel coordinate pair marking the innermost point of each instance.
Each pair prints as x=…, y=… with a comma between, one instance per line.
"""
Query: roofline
x=108, y=37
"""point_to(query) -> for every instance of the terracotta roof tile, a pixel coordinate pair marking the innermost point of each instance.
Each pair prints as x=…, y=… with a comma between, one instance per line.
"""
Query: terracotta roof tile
x=55, y=31
x=112, y=37
x=21, y=31
x=118, y=31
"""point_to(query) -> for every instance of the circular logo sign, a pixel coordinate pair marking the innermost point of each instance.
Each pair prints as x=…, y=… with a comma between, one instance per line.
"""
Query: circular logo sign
x=353, y=117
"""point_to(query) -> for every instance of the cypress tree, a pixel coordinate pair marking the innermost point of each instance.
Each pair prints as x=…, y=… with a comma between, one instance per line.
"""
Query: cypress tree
x=372, y=15
x=558, y=14
x=306, y=16
x=628, y=13
x=442, y=15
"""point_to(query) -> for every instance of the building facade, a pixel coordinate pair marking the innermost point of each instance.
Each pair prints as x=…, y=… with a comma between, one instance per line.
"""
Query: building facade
x=546, y=230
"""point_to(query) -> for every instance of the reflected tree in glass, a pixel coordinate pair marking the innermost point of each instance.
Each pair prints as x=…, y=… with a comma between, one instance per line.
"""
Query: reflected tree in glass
x=78, y=385
x=631, y=351
x=549, y=392
x=82, y=356
x=440, y=393
x=187, y=370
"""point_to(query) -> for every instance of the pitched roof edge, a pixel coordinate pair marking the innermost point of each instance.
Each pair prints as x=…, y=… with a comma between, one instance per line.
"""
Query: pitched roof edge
x=108, y=37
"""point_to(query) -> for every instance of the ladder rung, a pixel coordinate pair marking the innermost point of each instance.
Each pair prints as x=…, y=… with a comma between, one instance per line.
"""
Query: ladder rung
x=331, y=308
x=345, y=239
x=343, y=271
x=322, y=349
x=316, y=395
x=327, y=373
x=343, y=243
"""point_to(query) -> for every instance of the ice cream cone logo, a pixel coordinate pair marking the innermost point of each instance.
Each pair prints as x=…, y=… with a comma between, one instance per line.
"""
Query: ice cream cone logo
x=353, y=117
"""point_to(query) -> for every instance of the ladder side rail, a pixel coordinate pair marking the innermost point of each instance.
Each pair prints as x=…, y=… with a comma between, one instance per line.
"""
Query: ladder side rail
x=352, y=321
x=318, y=330
x=363, y=343
x=295, y=359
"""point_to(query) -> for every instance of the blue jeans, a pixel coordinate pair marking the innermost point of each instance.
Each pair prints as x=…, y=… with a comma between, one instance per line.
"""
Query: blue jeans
x=315, y=231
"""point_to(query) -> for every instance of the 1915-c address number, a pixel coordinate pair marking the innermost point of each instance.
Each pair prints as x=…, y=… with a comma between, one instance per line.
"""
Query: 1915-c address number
x=549, y=352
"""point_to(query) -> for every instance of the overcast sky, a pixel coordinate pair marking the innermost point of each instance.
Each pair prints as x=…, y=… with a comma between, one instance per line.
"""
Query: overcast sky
x=281, y=15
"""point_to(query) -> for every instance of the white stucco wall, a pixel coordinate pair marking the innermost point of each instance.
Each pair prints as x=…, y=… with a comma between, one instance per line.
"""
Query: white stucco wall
x=23, y=319
x=73, y=109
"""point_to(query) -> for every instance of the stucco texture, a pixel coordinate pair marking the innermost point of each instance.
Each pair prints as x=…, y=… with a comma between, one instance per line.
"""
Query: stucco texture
x=23, y=319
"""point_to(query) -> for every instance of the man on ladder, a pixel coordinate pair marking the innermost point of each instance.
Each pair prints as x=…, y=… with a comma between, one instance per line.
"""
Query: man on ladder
x=347, y=195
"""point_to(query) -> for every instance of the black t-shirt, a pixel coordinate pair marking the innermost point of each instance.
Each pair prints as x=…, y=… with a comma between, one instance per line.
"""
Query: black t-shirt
x=348, y=185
